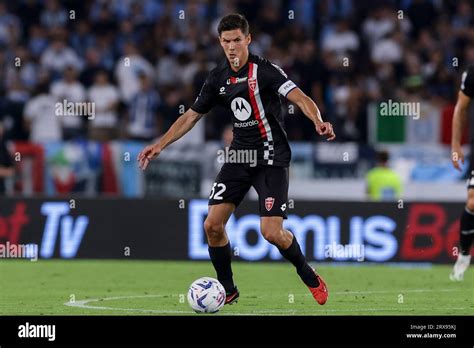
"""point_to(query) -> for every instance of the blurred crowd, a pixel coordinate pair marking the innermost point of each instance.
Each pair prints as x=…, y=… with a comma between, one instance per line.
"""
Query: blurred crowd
x=142, y=62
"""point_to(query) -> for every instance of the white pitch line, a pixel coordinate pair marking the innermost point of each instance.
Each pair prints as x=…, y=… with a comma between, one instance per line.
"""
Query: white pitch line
x=85, y=304
x=393, y=291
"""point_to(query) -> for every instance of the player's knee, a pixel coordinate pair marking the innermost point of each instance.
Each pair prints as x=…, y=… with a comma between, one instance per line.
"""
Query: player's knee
x=470, y=203
x=213, y=228
x=271, y=234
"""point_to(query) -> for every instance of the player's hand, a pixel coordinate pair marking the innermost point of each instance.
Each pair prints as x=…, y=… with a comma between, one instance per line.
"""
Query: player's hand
x=325, y=128
x=457, y=155
x=147, y=154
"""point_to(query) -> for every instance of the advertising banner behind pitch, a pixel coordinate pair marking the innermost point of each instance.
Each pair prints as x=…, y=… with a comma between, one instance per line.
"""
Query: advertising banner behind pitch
x=173, y=229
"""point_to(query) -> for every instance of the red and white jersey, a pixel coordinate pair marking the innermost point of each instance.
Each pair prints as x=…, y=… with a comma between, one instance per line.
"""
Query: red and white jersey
x=253, y=94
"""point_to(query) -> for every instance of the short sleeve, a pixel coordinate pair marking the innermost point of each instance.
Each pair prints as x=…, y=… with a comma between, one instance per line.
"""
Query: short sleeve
x=467, y=82
x=277, y=80
x=56, y=89
x=207, y=97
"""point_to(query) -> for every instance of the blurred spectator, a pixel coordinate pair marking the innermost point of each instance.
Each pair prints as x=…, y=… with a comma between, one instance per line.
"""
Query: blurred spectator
x=37, y=42
x=269, y=20
x=307, y=11
x=469, y=54
x=104, y=48
x=388, y=50
x=341, y=40
x=53, y=15
x=103, y=22
x=340, y=7
x=17, y=91
x=380, y=22
x=92, y=67
x=167, y=70
x=142, y=122
x=463, y=19
x=308, y=63
x=10, y=29
x=383, y=183
x=58, y=56
x=40, y=116
x=422, y=14
x=151, y=9
x=27, y=68
x=15, y=100
x=128, y=69
x=82, y=38
x=70, y=90
x=105, y=97
x=172, y=108
x=126, y=34
x=6, y=161
x=346, y=103
x=30, y=13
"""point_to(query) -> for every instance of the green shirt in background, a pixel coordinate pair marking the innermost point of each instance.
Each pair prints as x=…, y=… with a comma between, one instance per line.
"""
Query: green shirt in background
x=383, y=184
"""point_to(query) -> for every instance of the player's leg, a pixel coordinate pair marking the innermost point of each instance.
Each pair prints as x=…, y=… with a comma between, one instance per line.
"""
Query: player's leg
x=230, y=187
x=214, y=225
x=273, y=231
x=466, y=235
x=271, y=184
x=219, y=246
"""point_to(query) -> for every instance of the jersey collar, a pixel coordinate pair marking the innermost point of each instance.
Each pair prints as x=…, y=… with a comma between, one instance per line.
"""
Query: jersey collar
x=242, y=68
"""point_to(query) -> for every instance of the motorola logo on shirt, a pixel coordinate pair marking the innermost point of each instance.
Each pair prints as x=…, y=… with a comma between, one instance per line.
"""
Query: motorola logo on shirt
x=241, y=108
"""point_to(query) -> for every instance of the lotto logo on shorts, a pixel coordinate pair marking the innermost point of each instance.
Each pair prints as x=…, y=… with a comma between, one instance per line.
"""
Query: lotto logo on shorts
x=269, y=203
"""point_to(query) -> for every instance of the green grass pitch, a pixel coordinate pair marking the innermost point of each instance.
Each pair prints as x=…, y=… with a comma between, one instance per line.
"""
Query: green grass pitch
x=130, y=287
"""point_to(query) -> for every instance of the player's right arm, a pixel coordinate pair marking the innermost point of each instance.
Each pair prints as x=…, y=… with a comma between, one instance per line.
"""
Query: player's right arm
x=460, y=117
x=178, y=129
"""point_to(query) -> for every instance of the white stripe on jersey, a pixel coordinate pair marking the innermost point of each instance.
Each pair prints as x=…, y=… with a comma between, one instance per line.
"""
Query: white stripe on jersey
x=261, y=110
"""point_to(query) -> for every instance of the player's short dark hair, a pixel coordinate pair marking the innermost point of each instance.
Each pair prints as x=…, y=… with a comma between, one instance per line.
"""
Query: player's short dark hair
x=233, y=21
x=382, y=156
x=42, y=88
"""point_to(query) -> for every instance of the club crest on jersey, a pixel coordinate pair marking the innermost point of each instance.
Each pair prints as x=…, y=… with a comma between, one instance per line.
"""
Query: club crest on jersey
x=252, y=83
x=269, y=203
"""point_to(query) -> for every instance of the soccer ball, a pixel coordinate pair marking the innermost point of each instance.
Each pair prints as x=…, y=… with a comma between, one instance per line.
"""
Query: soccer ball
x=206, y=295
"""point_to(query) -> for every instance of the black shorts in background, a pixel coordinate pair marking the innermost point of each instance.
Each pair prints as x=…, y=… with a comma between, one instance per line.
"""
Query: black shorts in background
x=271, y=183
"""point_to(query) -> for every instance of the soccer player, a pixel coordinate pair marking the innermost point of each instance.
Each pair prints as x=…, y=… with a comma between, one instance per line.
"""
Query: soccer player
x=251, y=87
x=467, y=217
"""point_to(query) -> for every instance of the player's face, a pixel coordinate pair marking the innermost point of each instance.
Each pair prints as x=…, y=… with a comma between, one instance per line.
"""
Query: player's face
x=235, y=45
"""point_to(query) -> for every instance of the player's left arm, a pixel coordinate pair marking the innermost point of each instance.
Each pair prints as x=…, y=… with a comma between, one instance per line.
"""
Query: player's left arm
x=311, y=111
